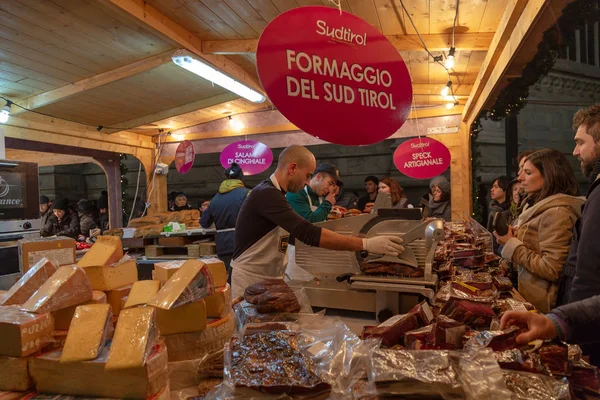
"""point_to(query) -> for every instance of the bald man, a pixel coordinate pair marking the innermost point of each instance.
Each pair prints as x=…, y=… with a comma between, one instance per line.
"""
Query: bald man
x=266, y=221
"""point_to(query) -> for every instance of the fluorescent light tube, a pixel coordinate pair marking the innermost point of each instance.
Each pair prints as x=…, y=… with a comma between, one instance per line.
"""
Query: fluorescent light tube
x=210, y=74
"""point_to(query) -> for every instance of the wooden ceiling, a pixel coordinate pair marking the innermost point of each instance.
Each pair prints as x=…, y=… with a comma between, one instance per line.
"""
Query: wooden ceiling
x=108, y=62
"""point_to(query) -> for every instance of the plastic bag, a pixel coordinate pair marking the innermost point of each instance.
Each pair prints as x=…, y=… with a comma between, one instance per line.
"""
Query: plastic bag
x=526, y=386
x=29, y=283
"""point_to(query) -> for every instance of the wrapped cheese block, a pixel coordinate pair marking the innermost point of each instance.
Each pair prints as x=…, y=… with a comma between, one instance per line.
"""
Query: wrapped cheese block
x=219, y=304
x=87, y=334
x=191, y=282
x=116, y=296
x=134, y=337
x=165, y=270
x=63, y=317
x=68, y=286
x=141, y=292
x=92, y=379
x=29, y=283
x=110, y=277
x=14, y=376
x=107, y=250
x=187, y=318
x=217, y=271
x=23, y=333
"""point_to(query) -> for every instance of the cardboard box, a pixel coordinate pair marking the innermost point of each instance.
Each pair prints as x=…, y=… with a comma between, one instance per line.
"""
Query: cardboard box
x=60, y=249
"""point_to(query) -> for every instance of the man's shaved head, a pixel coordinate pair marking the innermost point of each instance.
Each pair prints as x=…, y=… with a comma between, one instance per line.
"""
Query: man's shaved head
x=297, y=154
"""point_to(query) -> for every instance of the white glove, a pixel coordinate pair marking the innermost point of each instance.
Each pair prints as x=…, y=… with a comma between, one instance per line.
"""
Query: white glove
x=386, y=245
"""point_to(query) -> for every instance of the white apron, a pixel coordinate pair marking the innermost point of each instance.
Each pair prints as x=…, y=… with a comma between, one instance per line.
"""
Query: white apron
x=265, y=259
x=293, y=271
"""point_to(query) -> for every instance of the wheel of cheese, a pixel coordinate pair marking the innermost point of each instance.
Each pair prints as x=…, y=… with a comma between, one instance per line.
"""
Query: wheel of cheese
x=193, y=345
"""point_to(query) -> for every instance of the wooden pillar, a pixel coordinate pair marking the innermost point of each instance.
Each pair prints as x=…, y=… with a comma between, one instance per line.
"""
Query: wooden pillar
x=461, y=183
x=157, y=184
x=113, y=183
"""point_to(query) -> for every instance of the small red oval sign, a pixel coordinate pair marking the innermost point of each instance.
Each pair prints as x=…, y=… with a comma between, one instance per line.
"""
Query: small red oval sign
x=184, y=156
x=422, y=158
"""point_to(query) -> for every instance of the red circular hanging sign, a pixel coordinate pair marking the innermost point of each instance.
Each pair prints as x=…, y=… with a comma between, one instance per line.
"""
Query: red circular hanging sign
x=422, y=158
x=184, y=156
x=334, y=76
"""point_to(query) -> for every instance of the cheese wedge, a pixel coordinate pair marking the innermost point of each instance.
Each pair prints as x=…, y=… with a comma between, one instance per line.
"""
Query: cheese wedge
x=134, y=337
x=87, y=334
x=217, y=271
x=107, y=250
x=14, y=376
x=165, y=270
x=141, y=293
x=115, y=296
x=68, y=286
x=29, y=283
x=111, y=277
x=187, y=318
x=192, y=282
x=23, y=333
x=219, y=304
x=63, y=317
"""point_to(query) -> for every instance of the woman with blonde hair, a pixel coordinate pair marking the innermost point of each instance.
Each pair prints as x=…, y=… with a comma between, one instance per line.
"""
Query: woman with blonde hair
x=539, y=244
x=391, y=186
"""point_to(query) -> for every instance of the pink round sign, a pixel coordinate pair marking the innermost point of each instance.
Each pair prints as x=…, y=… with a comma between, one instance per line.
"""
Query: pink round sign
x=253, y=157
x=334, y=76
x=184, y=156
x=422, y=158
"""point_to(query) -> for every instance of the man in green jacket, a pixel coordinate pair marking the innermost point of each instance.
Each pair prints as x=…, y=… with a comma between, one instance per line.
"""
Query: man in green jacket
x=315, y=201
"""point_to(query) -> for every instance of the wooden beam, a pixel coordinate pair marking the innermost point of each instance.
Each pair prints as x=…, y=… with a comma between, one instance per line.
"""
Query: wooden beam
x=180, y=110
x=95, y=81
x=512, y=13
x=433, y=89
x=521, y=44
x=435, y=42
x=156, y=20
x=46, y=159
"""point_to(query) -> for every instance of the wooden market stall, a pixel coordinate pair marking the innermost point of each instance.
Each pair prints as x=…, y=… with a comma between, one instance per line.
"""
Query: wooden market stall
x=98, y=74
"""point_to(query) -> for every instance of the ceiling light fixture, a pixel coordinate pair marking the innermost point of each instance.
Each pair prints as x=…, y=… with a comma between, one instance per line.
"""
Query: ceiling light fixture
x=235, y=124
x=185, y=60
x=446, y=90
x=449, y=64
x=5, y=112
x=451, y=105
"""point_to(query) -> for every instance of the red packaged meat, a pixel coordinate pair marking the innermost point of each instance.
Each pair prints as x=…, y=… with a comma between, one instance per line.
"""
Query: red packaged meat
x=473, y=313
x=392, y=331
x=470, y=262
x=516, y=360
x=449, y=332
x=585, y=377
x=555, y=357
x=496, y=340
x=479, y=280
x=420, y=338
x=503, y=284
x=388, y=268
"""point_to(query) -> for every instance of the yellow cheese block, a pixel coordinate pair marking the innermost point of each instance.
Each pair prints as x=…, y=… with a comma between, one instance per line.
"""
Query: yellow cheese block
x=63, y=317
x=165, y=270
x=90, y=378
x=134, y=337
x=106, y=251
x=217, y=270
x=29, y=283
x=219, y=304
x=68, y=286
x=14, y=376
x=192, y=282
x=23, y=333
x=87, y=334
x=115, y=296
x=111, y=277
x=141, y=293
x=187, y=318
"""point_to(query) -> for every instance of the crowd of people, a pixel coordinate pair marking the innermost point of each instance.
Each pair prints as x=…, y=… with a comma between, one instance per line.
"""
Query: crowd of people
x=80, y=221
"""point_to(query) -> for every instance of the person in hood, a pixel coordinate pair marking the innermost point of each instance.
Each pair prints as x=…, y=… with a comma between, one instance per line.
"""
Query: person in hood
x=181, y=202
x=61, y=222
x=346, y=199
x=223, y=211
x=45, y=210
x=436, y=203
x=539, y=245
x=86, y=217
x=103, y=212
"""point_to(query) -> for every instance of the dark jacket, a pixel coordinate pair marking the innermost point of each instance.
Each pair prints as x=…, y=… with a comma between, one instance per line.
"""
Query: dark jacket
x=582, y=319
x=223, y=212
x=181, y=208
x=69, y=226
x=494, y=208
x=581, y=273
x=45, y=217
x=86, y=223
x=432, y=209
x=103, y=222
x=362, y=202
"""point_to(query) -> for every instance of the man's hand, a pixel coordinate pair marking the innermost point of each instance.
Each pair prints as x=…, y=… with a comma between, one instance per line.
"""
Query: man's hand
x=331, y=197
x=538, y=326
x=386, y=245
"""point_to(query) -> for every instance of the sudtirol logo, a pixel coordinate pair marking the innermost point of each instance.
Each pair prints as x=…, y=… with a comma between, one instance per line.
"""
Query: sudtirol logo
x=342, y=34
x=246, y=146
x=4, y=191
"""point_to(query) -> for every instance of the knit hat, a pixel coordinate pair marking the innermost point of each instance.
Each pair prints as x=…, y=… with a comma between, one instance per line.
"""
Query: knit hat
x=61, y=204
x=440, y=182
x=44, y=199
x=102, y=202
x=84, y=206
x=234, y=172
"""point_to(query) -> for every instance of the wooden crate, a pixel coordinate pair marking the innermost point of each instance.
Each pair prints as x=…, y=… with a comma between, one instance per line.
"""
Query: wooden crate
x=194, y=250
x=177, y=241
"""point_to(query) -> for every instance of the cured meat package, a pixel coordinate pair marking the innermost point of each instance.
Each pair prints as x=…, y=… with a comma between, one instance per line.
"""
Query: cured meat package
x=473, y=313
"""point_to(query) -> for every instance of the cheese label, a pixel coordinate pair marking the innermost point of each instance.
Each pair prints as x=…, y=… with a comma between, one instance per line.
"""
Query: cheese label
x=60, y=256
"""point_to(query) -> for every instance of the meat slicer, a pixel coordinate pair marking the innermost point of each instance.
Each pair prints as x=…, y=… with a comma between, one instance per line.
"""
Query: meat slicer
x=338, y=281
